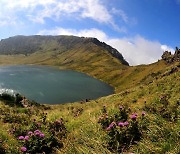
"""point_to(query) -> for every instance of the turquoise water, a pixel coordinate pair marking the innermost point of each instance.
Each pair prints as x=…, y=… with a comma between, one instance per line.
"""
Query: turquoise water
x=50, y=85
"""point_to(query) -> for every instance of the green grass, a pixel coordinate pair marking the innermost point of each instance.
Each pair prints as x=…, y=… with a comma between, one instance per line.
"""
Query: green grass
x=101, y=66
x=162, y=135
x=140, y=88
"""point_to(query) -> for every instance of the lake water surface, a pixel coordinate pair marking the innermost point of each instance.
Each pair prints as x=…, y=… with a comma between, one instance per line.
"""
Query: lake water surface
x=50, y=85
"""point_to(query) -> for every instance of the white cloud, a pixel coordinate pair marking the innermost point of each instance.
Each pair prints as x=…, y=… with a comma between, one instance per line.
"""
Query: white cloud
x=124, y=17
x=8, y=19
x=39, y=10
x=95, y=10
x=85, y=33
x=82, y=8
x=121, y=13
x=167, y=48
x=136, y=50
x=20, y=4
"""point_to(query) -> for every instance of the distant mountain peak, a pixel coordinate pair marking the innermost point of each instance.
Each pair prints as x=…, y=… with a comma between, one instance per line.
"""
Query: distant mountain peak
x=30, y=44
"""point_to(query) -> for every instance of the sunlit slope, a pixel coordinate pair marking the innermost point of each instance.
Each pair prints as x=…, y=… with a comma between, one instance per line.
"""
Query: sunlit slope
x=157, y=94
x=153, y=89
x=162, y=133
x=86, y=55
x=95, y=63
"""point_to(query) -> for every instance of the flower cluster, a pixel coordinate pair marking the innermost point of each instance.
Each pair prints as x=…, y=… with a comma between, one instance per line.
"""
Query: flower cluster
x=30, y=136
x=126, y=123
x=122, y=128
x=30, y=126
x=38, y=133
x=36, y=141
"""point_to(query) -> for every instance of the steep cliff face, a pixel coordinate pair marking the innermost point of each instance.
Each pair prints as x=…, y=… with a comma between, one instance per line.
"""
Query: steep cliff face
x=110, y=49
x=30, y=44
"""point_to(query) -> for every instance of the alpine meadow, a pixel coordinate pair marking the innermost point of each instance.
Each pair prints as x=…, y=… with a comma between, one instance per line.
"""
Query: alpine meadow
x=89, y=77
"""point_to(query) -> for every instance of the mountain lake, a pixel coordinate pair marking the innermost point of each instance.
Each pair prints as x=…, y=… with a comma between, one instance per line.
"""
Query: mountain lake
x=50, y=85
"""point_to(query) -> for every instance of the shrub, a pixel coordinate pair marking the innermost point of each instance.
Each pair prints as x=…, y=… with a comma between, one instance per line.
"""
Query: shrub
x=122, y=129
x=38, y=141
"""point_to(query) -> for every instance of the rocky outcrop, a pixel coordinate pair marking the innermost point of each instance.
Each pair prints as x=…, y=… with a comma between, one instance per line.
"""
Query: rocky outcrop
x=170, y=58
x=177, y=55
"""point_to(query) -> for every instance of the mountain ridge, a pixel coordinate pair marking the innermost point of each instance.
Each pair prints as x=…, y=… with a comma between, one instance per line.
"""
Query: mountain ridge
x=89, y=57
x=146, y=99
x=30, y=44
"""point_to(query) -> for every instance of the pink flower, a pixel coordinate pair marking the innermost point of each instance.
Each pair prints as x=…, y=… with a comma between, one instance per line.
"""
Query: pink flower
x=134, y=116
x=126, y=123
x=143, y=113
x=21, y=137
x=41, y=135
x=121, y=124
x=30, y=133
x=26, y=138
x=120, y=107
x=111, y=125
x=37, y=132
x=23, y=149
x=108, y=128
x=39, y=124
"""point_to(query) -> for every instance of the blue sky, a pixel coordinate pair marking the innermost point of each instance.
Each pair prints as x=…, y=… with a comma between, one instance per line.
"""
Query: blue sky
x=140, y=29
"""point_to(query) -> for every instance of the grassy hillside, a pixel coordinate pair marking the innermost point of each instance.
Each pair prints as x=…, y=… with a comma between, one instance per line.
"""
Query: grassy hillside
x=86, y=55
x=84, y=125
x=141, y=117
x=95, y=63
